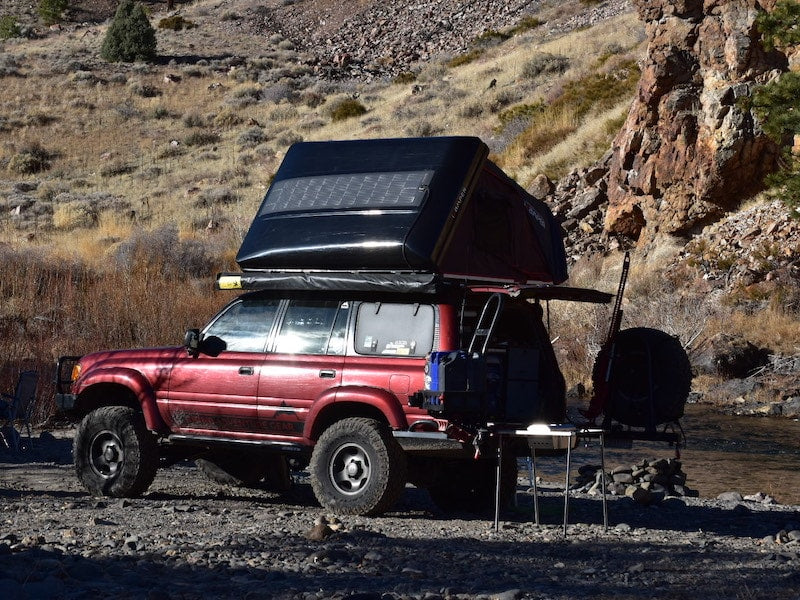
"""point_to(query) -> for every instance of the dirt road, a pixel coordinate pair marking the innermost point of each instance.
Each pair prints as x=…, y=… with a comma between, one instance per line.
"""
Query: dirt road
x=187, y=538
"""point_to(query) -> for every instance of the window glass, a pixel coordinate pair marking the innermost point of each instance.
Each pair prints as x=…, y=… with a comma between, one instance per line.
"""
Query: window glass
x=394, y=329
x=308, y=326
x=245, y=326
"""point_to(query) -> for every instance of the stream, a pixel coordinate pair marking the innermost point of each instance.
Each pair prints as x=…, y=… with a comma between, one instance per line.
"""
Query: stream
x=722, y=453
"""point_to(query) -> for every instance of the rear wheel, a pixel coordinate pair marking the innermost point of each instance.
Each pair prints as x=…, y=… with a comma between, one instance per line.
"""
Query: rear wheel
x=357, y=468
x=115, y=454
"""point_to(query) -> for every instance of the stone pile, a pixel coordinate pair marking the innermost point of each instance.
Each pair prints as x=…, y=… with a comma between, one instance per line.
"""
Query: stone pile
x=647, y=482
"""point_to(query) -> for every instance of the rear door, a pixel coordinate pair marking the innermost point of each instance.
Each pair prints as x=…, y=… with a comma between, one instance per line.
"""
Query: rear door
x=305, y=363
x=391, y=340
x=216, y=392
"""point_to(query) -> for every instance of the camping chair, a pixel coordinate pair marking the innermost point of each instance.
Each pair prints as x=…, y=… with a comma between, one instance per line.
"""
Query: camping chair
x=18, y=407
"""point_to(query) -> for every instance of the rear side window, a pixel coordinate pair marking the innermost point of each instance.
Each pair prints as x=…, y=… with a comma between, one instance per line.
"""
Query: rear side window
x=313, y=327
x=245, y=325
x=386, y=329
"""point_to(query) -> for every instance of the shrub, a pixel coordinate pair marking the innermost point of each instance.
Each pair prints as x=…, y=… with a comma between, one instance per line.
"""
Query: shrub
x=31, y=159
x=9, y=28
x=545, y=63
x=193, y=120
x=162, y=251
x=145, y=90
x=130, y=37
x=251, y=137
x=51, y=10
x=405, y=77
x=201, y=138
x=526, y=24
x=176, y=23
x=521, y=111
x=466, y=58
x=287, y=138
x=346, y=109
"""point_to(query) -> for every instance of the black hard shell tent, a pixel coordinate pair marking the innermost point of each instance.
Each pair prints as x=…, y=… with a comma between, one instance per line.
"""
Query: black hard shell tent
x=390, y=211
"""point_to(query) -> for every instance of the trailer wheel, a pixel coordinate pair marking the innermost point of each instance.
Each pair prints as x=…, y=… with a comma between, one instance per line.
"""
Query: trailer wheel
x=115, y=454
x=357, y=468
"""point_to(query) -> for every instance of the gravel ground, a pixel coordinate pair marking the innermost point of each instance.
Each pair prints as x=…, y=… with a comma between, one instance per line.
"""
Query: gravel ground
x=187, y=538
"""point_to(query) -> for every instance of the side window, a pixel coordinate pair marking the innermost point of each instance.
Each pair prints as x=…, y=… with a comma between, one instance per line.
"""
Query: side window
x=313, y=327
x=384, y=328
x=245, y=325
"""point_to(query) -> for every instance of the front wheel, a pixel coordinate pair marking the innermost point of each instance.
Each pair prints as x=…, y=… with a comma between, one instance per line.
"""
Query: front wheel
x=357, y=468
x=115, y=454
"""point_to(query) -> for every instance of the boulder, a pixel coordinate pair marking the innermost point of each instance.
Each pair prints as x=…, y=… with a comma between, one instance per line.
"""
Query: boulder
x=688, y=151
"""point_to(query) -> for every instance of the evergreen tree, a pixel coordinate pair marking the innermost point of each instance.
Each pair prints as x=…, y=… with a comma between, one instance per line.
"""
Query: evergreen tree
x=51, y=10
x=777, y=104
x=130, y=36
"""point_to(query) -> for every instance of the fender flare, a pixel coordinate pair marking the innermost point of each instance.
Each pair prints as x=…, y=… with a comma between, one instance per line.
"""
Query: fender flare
x=375, y=398
x=133, y=381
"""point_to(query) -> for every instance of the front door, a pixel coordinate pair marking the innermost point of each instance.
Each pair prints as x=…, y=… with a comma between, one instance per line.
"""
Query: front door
x=216, y=392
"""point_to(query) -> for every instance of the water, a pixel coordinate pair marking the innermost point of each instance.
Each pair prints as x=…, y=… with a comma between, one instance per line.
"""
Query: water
x=722, y=453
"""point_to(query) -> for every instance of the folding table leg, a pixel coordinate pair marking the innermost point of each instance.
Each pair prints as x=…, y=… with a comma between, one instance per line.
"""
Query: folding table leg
x=497, y=482
x=566, y=485
x=535, y=486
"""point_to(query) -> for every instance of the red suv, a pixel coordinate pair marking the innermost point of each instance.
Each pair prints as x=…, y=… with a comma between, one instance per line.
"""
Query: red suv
x=331, y=381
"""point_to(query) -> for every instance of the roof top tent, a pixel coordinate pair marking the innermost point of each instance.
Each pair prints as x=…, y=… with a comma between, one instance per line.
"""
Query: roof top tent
x=385, y=210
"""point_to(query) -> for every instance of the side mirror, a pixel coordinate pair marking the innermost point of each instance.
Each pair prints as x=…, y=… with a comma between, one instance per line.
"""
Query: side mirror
x=191, y=340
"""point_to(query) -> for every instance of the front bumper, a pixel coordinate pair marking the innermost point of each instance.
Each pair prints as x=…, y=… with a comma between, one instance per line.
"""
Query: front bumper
x=65, y=402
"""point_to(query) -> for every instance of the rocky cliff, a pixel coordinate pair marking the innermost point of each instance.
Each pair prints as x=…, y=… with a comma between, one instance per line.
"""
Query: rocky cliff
x=688, y=152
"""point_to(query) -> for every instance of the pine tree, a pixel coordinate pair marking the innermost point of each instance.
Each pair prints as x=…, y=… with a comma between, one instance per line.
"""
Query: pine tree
x=51, y=10
x=130, y=36
x=777, y=104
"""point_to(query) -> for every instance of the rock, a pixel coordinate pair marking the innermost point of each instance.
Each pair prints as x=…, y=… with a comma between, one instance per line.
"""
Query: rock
x=732, y=357
x=541, y=187
x=688, y=151
x=319, y=532
x=730, y=497
x=508, y=595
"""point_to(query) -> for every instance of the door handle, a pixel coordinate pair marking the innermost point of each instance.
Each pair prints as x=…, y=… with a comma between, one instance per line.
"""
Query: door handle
x=327, y=373
x=246, y=370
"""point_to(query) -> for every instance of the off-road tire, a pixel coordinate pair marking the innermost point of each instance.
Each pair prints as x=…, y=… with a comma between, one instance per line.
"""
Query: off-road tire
x=115, y=454
x=470, y=485
x=646, y=364
x=244, y=469
x=357, y=467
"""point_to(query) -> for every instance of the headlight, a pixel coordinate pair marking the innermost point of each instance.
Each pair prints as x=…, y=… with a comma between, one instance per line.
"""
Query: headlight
x=76, y=371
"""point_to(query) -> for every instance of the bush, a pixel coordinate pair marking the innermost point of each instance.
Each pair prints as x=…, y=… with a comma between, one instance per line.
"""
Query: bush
x=346, y=109
x=51, y=10
x=176, y=23
x=130, y=36
x=466, y=58
x=545, y=63
x=201, y=138
x=31, y=159
x=9, y=28
x=404, y=78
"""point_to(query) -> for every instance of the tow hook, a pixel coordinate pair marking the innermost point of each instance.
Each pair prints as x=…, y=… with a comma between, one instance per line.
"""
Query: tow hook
x=478, y=441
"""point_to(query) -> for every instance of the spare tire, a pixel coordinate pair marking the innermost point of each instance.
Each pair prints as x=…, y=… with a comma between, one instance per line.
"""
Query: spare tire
x=647, y=376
